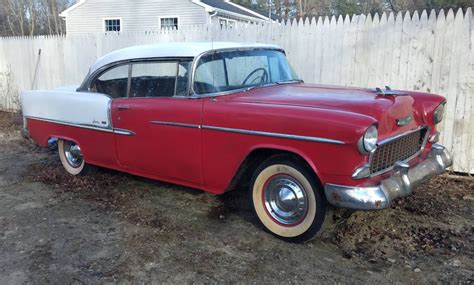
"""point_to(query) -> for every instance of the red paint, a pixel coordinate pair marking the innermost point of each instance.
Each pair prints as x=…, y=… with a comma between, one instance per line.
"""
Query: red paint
x=160, y=150
x=209, y=159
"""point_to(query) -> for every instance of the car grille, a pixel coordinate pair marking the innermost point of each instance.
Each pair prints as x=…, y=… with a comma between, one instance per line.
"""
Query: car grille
x=401, y=148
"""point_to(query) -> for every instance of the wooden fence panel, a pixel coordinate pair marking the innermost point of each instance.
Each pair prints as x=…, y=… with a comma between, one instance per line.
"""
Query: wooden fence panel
x=424, y=51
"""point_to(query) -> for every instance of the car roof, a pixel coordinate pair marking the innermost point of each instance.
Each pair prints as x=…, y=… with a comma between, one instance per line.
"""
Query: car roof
x=176, y=49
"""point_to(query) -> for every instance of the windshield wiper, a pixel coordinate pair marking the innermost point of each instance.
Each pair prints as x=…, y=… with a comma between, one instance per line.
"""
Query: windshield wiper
x=289, y=81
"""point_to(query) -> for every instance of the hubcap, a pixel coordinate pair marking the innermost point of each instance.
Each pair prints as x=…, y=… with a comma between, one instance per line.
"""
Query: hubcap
x=285, y=199
x=73, y=154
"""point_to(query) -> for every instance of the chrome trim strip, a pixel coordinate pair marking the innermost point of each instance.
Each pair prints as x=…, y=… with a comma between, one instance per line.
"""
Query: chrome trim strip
x=361, y=172
x=85, y=126
x=176, y=124
x=399, y=136
x=276, y=135
x=124, y=132
x=109, y=113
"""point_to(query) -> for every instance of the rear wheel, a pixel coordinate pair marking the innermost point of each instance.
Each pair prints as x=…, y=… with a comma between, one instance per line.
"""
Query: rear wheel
x=71, y=157
x=288, y=199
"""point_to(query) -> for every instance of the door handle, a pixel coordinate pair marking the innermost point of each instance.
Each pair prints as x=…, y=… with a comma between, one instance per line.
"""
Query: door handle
x=123, y=108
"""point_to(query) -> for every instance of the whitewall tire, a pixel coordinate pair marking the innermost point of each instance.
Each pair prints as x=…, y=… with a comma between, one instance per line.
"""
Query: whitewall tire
x=287, y=199
x=71, y=157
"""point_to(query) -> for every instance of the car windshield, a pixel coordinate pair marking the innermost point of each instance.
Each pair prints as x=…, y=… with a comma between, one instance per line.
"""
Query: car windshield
x=231, y=70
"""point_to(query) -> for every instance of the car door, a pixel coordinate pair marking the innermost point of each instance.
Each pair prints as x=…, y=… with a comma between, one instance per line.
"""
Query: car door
x=157, y=127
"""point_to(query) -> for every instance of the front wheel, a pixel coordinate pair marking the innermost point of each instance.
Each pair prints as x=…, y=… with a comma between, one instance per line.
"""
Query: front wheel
x=288, y=199
x=71, y=158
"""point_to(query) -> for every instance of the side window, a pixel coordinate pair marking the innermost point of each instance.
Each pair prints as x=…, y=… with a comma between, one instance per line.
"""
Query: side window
x=113, y=82
x=154, y=79
x=210, y=77
x=182, y=80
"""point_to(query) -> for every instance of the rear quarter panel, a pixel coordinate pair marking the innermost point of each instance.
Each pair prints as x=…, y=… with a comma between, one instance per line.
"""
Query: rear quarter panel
x=67, y=106
x=81, y=117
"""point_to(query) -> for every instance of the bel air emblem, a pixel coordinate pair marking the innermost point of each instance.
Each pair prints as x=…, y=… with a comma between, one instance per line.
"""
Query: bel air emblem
x=404, y=121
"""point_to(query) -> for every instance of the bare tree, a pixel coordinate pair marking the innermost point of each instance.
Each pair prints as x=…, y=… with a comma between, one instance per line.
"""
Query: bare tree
x=288, y=9
x=32, y=17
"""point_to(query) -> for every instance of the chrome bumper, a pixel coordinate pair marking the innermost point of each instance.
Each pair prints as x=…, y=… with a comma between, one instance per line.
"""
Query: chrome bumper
x=402, y=182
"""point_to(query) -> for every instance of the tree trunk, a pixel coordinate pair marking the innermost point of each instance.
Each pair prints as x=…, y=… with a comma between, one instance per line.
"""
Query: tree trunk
x=278, y=8
x=32, y=12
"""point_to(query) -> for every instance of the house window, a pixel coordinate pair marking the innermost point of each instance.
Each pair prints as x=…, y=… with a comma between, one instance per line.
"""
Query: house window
x=226, y=23
x=112, y=25
x=169, y=23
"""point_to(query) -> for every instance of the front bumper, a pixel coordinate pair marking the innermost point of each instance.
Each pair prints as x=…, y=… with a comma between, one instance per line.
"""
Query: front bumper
x=400, y=184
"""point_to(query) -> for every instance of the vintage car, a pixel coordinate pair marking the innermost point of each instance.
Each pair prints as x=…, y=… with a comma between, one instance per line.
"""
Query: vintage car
x=216, y=116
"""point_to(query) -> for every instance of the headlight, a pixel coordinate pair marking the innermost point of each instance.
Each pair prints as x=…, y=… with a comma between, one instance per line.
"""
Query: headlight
x=438, y=114
x=368, y=141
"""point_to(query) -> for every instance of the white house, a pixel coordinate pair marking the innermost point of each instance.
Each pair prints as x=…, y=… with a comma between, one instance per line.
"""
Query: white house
x=95, y=16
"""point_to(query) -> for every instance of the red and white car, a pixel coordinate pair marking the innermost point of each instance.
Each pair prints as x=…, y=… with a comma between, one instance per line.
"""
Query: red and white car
x=215, y=115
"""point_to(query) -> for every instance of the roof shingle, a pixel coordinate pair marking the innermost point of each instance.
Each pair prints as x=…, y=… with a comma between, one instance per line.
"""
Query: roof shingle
x=224, y=5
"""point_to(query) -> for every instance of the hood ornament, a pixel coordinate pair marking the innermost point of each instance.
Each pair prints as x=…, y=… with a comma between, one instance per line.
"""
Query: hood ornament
x=388, y=91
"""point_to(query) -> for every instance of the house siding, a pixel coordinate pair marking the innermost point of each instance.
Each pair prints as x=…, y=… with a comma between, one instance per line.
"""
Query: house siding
x=136, y=16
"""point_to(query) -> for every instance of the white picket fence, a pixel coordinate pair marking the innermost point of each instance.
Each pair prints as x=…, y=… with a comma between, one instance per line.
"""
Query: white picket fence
x=426, y=52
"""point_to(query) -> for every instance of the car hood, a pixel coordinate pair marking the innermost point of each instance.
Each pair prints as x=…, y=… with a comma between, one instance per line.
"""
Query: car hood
x=385, y=109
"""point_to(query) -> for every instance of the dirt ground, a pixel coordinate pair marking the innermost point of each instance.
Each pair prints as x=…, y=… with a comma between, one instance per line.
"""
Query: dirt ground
x=114, y=227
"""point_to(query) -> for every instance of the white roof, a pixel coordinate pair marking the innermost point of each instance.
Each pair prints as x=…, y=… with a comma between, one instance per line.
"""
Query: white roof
x=177, y=49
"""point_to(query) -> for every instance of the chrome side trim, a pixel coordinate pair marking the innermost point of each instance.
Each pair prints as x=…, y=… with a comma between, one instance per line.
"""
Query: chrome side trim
x=124, y=132
x=109, y=113
x=276, y=135
x=231, y=130
x=176, y=124
x=84, y=126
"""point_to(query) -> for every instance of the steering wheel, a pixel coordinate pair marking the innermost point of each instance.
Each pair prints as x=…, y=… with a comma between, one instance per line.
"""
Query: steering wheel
x=263, y=77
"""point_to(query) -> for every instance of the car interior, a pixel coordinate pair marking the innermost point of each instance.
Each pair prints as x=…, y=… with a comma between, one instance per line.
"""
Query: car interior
x=143, y=86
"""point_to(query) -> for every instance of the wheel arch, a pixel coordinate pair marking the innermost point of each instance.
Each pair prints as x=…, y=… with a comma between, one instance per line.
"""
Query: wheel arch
x=259, y=153
x=60, y=137
x=67, y=138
